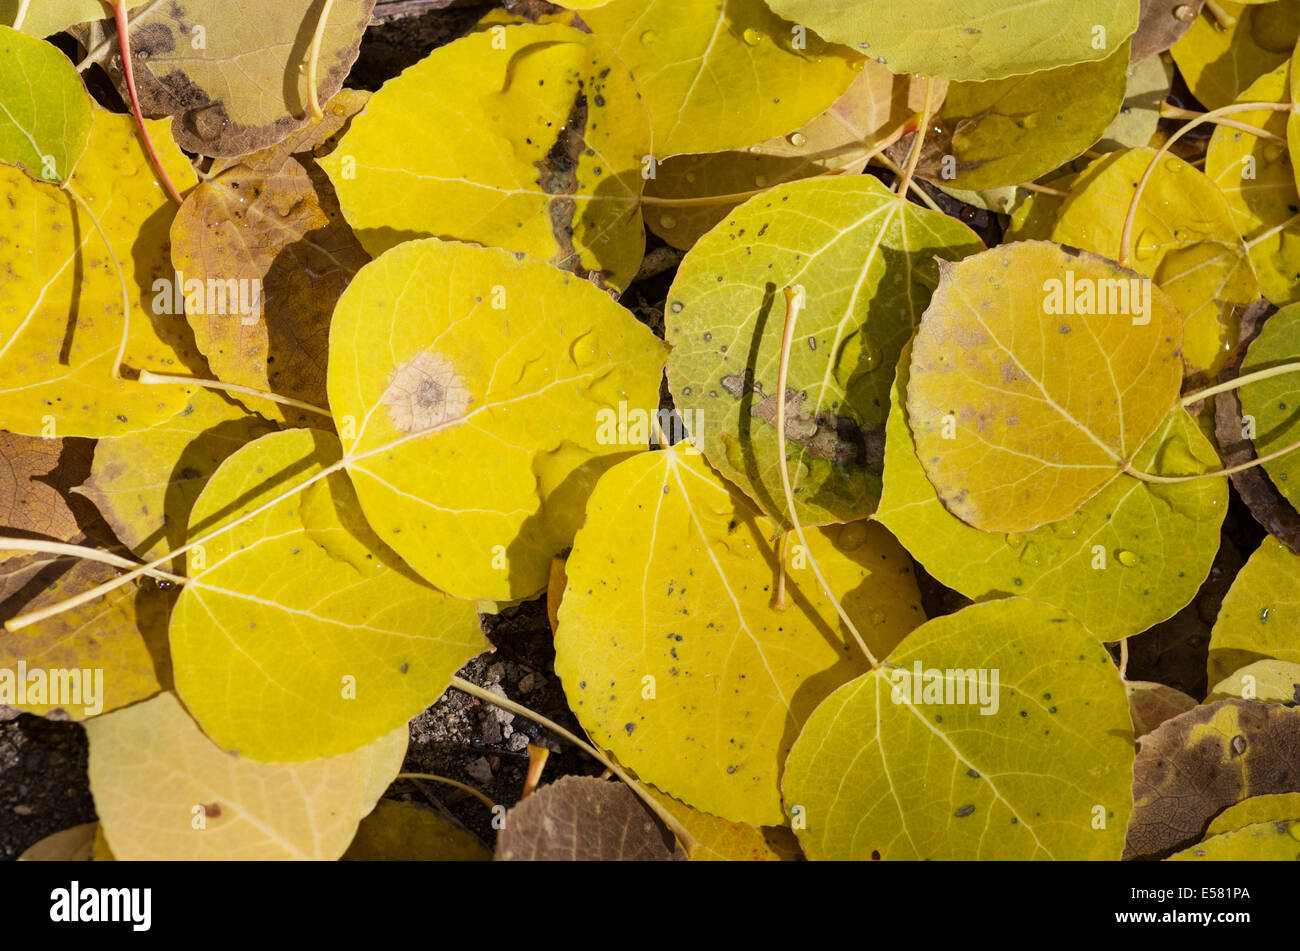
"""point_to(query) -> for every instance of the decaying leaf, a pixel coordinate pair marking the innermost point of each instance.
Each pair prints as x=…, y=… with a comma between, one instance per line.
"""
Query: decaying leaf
x=406, y=832
x=1151, y=704
x=578, y=819
x=1191, y=767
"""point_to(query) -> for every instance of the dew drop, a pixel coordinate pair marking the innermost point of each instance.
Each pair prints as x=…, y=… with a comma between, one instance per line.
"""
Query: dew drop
x=667, y=222
x=1185, y=13
x=1146, y=245
x=752, y=37
x=584, y=350
x=649, y=37
x=798, y=139
x=1126, y=558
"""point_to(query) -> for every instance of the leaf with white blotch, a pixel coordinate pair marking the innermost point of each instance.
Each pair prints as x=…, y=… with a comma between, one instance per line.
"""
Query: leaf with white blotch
x=1218, y=61
x=1037, y=375
x=1183, y=237
x=70, y=845
x=1191, y=767
x=899, y=764
x=44, y=109
x=1257, y=178
x=47, y=17
x=1260, y=617
x=580, y=819
x=1268, y=681
x=536, y=147
x=271, y=223
x=61, y=299
x=722, y=74
x=241, y=83
x=474, y=383
x=840, y=139
x=165, y=792
x=1013, y=130
x=1127, y=559
x=1277, y=841
x=866, y=262
x=145, y=483
x=1151, y=704
x=1273, y=405
x=672, y=578
x=407, y=832
x=300, y=633
x=1256, y=809
x=982, y=39
x=99, y=656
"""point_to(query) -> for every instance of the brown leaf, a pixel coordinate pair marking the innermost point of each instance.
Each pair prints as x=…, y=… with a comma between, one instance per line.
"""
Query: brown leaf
x=236, y=80
x=1270, y=508
x=1162, y=24
x=35, y=476
x=272, y=217
x=1151, y=704
x=1192, y=767
x=584, y=820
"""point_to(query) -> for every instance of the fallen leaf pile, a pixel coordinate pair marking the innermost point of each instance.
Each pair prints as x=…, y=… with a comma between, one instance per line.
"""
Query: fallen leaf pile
x=868, y=392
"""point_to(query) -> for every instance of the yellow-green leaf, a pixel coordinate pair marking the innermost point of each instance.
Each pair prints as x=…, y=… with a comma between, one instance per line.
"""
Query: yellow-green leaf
x=165, y=792
x=1260, y=617
x=531, y=138
x=981, y=39
x=1008, y=131
x=1256, y=809
x=721, y=840
x=1257, y=178
x=61, y=299
x=1277, y=841
x=45, y=17
x=1269, y=681
x=899, y=765
x=671, y=651
x=722, y=74
x=300, y=633
x=866, y=263
x=44, y=109
x=475, y=392
x=1127, y=559
x=406, y=832
x=1219, y=62
x=1037, y=375
x=1184, y=238
x=145, y=484
x=1271, y=405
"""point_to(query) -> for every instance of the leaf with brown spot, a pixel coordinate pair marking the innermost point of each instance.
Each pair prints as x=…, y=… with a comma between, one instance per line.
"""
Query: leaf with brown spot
x=236, y=80
x=272, y=223
x=35, y=478
x=1151, y=704
x=579, y=819
x=1191, y=767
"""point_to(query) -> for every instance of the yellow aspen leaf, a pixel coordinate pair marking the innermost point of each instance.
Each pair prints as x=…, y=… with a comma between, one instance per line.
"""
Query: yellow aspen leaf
x=70, y=845
x=721, y=840
x=532, y=139
x=1219, y=61
x=1129, y=558
x=61, y=299
x=983, y=39
x=300, y=634
x=1260, y=617
x=406, y=832
x=1268, y=681
x=898, y=764
x=165, y=792
x=145, y=483
x=1270, y=405
x=483, y=393
x=671, y=650
x=722, y=74
x=1037, y=375
x=866, y=263
x=1255, y=809
x=1277, y=841
x=1195, y=256
x=46, y=17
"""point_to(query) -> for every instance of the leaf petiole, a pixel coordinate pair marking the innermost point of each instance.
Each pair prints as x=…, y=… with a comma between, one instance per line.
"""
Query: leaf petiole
x=149, y=377
x=463, y=787
x=313, y=58
x=1233, y=384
